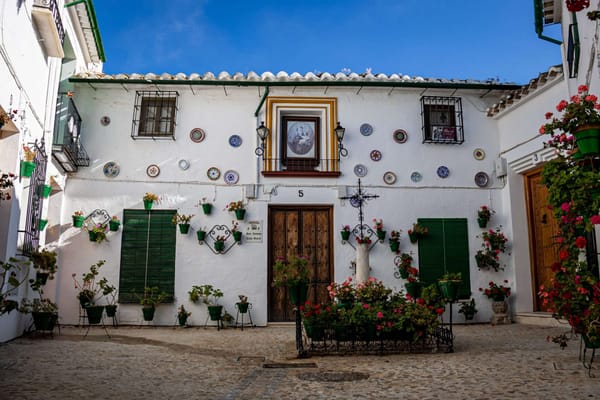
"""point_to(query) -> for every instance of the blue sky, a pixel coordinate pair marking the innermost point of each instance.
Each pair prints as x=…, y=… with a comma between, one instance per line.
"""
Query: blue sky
x=463, y=39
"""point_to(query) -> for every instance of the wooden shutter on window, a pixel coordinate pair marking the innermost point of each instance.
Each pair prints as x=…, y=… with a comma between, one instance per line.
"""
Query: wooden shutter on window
x=147, y=253
x=445, y=249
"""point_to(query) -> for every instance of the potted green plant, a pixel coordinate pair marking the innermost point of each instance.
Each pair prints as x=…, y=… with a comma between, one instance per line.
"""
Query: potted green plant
x=395, y=241
x=43, y=311
x=89, y=292
x=28, y=162
x=182, y=315
x=243, y=304
x=149, y=199
x=44, y=263
x=468, y=309
x=44, y=190
x=344, y=294
x=210, y=296
x=201, y=234
x=493, y=244
x=226, y=319
x=206, y=206
x=498, y=294
x=238, y=208
x=78, y=218
x=418, y=231
x=404, y=265
x=114, y=223
x=219, y=243
x=110, y=293
x=151, y=297
x=345, y=232
x=378, y=226
x=483, y=215
x=235, y=232
x=183, y=220
x=97, y=233
x=449, y=284
x=293, y=274
x=12, y=275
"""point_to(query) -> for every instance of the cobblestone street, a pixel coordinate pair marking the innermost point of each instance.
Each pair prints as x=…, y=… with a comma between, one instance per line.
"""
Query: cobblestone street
x=490, y=362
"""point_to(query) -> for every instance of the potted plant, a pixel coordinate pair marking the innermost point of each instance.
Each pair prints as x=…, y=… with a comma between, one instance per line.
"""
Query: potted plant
x=44, y=190
x=345, y=232
x=378, y=226
x=493, y=243
x=418, y=231
x=43, y=311
x=498, y=294
x=219, y=243
x=468, y=309
x=243, y=304
x=449, y=284
x=10, y=273
x=114, y=223
x=97, y=233
x=201, y=234
x=206, y=206
x=293, y=274
x=209, y=296
x=238, y=208
x=413, y=285
x=183, y=220
x=182, y=315
x=237, y=234
x=404, y=265
x=28, y=162
x=78, y=219
x=395, y=241
x=149, y=200
x=6, y=185
x=42, y=224
x=89, y=291
x=44, y=263
x=483, y=215
x=149, y=300
x=344, y=293
x=315, y=319
x=226, y=319
x=110, y=293
x=581, y=119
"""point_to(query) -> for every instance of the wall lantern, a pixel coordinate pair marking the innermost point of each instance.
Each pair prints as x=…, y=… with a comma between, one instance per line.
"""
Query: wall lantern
x=339, y=133
x=263, y=132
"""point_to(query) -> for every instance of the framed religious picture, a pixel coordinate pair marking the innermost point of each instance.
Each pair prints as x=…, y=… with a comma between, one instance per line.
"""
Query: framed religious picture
x=300, y=142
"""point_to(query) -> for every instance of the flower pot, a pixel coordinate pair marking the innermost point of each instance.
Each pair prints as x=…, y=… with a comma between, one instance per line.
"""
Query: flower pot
x=184, y=228
x=345, y=235
x=113, y=225
x=44, y=190
x=449, y=289
x=413, y=289
x=219, y=246
x=482, y=222
x=237, y=236
x=240, y=214
x=469, y=316
x=414, y=238
x=94, y=314
x=42, y=224
x=403, y=273
x=27, y=168
x=44, y=320
x=206, y=208
x=395, y=246
x=78, y=221
x=298, y=293
x=201, y=235
x=148, y=204
x=148, y=313
x=93, y=236
x=84, y=300
x=42, y=277
x=587, y=139
x=380, y=234
x=182, y=319
x=242, y=307
x=215, y=312
x=111, y=310
x=499, y=306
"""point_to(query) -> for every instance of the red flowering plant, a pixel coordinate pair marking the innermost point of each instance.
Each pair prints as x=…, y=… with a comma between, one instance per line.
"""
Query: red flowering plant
x=404, y=265
x=366, y=240
x=6, y=184
x=343, y=292
x=377, y=224
x=316, y=314
x=493, y=243
x=395, y=236
x=495, y=291
x=372, y=291
x=485, y=212
x=577, y=5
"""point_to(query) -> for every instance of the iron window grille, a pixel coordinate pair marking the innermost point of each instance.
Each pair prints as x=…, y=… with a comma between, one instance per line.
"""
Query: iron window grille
x=154, y=115
x=31, y=234
x=442, y=119
x=67, y=149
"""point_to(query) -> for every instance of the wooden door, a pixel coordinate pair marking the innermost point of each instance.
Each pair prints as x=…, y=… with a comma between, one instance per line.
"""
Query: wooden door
x=543, y=231
x=306, y=231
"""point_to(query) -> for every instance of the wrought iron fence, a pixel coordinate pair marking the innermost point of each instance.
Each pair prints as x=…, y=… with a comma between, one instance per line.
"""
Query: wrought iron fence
x=31, y=234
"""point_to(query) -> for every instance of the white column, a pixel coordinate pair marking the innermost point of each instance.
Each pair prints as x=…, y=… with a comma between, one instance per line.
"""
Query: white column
x=362, y=262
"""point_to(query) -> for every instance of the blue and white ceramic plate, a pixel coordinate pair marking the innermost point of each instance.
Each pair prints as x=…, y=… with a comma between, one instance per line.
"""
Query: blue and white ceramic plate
x=366, y=129
x=416, y=177
x=360, y=170
x=213, y=173
x=235, y=140
x=443, y=171
x=231, y=177
x=183, y=164
x=153, y=170
x=354, y=202
x=111, y=169
x=375, y=155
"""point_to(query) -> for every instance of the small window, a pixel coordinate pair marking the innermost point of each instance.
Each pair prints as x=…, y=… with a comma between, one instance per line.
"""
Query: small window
x=442, y=119
x=154, y=115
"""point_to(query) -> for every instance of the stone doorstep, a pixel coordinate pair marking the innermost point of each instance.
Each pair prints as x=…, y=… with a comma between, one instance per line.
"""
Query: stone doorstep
x=539, y=319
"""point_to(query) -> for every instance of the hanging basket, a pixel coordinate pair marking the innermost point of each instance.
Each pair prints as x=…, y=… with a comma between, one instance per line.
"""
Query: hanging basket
x=345, y=235
x=482, y=222
x=449, y=289
x=237, y=236
x=414, y=238
x=394, y=246
x=219, y=246
x=298, y=293
x=380, y=234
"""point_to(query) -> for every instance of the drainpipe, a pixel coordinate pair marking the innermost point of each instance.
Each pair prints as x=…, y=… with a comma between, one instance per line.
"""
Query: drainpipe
x=538, y=10
x=89, y=7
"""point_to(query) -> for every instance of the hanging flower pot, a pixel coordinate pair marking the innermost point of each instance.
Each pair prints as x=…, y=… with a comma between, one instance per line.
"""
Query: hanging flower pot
x=237, y=236
x=413, y=289
x=42, y=224
x=381, y=234
x=587, y=139
x=148, y=204
x=298, y=293
x=113, y=225
x=394, y=246
x=201, y=235
x=27, y=168
x=93, y=236
x=206, y=208
x=44, y=190
x=184, y=228
x=482, y=222
x=449, y=289
x=345, y=235
x=219, y=245
x=78, y=221
x=414, y=237
x=240, y=214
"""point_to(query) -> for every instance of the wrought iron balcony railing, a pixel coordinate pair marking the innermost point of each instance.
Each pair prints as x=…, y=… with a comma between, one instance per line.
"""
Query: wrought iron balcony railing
x=67, y=149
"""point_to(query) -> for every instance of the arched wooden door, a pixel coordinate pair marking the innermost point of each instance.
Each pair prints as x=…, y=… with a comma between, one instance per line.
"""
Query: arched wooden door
x=300, y=230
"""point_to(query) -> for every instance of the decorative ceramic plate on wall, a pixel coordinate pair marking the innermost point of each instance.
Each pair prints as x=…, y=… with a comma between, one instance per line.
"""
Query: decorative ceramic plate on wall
x=183, y=164
x=105, y=121
x=231, y=177
x=482, y=179
x=375, y=155
x=389, y=178
x=366, y=129
x=111, y=169
x=213, y=173
x=235, y=141
x=443, y=172
x=153, y=170
x=197, y=135
x=400, y=135
x=355, y=201
x=360, y=170
x=416, y=177
x=479, y=154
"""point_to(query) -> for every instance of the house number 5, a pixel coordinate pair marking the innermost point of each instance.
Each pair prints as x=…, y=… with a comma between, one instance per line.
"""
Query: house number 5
x=300, y=193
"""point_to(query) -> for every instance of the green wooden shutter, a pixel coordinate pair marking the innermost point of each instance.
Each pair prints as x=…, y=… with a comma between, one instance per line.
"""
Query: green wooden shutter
x=445, y=249
x=147, y=253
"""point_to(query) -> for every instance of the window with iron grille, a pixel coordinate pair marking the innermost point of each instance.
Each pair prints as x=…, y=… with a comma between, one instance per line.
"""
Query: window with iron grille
x=442, y=119
x=154, y=115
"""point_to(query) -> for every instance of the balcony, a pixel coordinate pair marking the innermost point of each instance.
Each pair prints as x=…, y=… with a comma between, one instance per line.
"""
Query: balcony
x=67, y=150
x=51, y=33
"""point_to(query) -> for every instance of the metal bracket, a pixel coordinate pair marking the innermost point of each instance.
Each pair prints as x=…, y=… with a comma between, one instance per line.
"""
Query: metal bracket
x=220, y=232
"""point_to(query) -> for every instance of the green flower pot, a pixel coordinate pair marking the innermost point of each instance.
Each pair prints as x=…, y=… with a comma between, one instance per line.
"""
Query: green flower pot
x=94, y=314
x=587, y=139
x=345, y=235
x=27, y=168
x=240, y=214
x=242, y=307
x=201, y=235
x=113, y=225
x=111, y=310
x=44, y=190
x=237, y=236
x=42, y=224
x=44, y=320
x=449, y=289
x=413, y=289
x=206, y=208
x=148, y=204
x=394, y=246
x=219, y=246
x=414, y=238
x=184, y=228
x=298, y=293
x=381, y=234
x=215, y=312
x=148, y=313
x=78, y=221
x=93, y=236
x=482, y=222
x=182, y=319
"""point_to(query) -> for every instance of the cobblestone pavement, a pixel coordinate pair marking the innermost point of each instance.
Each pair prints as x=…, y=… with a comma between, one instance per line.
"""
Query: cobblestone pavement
x=490, y=362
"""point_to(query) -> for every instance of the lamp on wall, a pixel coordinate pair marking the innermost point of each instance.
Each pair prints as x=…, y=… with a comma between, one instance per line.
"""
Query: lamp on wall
x=263, y=132
x=339, y=133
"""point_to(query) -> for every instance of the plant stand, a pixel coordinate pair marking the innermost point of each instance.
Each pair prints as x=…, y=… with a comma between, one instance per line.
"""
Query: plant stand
x=100, y=323
x=219, y=323
x=242, y=323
